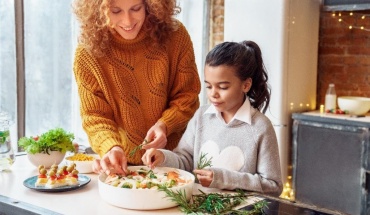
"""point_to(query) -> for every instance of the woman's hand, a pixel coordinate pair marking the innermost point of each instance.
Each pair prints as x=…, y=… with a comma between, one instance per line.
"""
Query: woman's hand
x=156, y=136
x=152, y=158
x=113, y=161
x=205, y=177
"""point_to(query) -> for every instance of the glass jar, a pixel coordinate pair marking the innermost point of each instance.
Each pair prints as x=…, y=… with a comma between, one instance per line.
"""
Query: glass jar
x=7, y=157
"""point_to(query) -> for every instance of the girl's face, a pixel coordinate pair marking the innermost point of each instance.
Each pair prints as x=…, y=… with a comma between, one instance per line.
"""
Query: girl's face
x=127, y=17
x=225, y=90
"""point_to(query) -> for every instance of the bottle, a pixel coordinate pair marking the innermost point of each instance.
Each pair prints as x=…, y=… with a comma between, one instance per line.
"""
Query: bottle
x=330, y=99
x=6, y=151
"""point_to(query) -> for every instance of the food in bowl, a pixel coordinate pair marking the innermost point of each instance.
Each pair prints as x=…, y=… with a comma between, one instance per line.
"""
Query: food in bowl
x=83, y=162
x=147, y=179
x=355, y=105
x=139, y=190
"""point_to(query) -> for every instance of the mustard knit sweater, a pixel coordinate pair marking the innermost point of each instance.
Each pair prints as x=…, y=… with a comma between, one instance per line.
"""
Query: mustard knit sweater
x=133, y=86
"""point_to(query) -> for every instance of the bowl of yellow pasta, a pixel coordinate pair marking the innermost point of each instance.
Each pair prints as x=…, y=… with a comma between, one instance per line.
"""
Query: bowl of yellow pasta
x=83, y=162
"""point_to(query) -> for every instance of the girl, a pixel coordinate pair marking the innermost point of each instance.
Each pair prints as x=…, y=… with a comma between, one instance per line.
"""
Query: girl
x=231, y=131
x=136, y=76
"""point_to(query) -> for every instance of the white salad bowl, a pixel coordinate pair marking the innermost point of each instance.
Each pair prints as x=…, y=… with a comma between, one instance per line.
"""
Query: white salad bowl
x=54, y=157
x=144, y=199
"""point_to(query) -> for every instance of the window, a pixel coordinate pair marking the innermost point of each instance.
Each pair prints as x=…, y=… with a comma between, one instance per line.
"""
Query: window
x=49, y=40
x=8, y=93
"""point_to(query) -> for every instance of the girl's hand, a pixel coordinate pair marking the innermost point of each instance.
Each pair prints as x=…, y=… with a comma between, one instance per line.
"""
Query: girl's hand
x=205, y=177
x=152, y=158
x=156, y=136
x=113, y=161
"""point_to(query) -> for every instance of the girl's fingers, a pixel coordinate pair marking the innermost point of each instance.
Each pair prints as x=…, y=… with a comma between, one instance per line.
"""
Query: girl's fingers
x=147, y=157
x=202, y=172
x=152, y=158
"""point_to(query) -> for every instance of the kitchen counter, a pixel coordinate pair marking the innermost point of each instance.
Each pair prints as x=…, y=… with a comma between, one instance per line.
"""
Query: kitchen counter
x=342, y=119
x=85, y=200
x=17, y=199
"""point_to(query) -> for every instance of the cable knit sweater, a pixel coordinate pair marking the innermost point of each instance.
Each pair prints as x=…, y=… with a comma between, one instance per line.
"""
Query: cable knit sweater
x=135, y=85
x=244, y=156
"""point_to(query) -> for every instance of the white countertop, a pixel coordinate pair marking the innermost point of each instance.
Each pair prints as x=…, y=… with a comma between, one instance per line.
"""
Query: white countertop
x=82, y=201
x=365, y=118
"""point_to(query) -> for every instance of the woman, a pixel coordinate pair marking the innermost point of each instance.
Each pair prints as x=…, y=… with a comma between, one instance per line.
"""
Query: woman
x=137, y=78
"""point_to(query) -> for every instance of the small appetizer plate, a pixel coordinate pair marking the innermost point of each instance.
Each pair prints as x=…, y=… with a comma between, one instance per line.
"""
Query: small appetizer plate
x=82, y=179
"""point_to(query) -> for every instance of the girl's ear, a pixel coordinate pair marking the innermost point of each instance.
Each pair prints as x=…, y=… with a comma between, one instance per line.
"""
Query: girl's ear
x=247, y=85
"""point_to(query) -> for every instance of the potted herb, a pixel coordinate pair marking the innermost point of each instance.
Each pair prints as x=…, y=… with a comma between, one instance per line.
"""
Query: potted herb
x=49, y=148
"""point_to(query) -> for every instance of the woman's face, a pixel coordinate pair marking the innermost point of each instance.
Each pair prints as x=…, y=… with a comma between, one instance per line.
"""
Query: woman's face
x=224, y=89
x=127, y=17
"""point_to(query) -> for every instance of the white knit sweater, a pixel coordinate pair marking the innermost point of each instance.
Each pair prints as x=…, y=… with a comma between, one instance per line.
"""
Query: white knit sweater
x=244, y=155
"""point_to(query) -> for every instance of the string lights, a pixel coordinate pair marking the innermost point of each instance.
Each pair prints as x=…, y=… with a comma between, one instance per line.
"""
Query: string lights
x=345, y=17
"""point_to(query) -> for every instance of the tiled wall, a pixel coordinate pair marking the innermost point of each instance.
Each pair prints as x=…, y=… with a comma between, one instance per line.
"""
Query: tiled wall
x=344, y=54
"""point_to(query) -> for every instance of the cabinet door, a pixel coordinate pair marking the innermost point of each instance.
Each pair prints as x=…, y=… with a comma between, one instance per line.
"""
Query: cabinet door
x=328, y=166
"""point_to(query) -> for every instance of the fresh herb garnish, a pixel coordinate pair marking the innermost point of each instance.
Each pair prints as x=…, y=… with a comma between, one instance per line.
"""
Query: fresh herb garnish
x=212, y=203
x=151, y=174
x=53, y=140
x=139, y=147
x=204, y=162
x=127, y=185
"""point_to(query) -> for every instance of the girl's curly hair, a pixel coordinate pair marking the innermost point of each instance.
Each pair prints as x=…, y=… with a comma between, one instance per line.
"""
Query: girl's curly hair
x=95, y=24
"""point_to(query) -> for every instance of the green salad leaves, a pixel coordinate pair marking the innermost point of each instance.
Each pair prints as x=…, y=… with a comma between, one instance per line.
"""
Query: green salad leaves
x=53, y=140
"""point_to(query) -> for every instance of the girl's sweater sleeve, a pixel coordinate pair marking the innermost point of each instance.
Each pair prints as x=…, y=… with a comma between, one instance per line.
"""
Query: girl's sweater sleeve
x=182, y=157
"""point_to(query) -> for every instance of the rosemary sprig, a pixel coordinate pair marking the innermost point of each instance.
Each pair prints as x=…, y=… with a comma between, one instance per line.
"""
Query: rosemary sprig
x=139, y=147
x=203, y=161
x=213, y=203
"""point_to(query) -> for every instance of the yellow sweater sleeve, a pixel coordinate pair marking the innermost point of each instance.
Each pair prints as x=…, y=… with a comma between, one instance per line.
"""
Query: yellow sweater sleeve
x=96, y=113
x=183, y=96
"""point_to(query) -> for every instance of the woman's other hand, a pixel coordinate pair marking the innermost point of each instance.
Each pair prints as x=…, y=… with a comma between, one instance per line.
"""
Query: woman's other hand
x=152, y=158
x=205, y=177
x=156, y=136
x=113, y=161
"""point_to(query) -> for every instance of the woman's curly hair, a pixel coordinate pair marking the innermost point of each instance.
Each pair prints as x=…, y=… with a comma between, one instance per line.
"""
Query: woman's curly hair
x=95, y=24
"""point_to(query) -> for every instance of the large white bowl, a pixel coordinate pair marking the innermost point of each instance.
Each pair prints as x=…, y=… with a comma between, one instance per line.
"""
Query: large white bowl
x=354, y=105
x=54, y=157
x=82, y=166
x=143, y=199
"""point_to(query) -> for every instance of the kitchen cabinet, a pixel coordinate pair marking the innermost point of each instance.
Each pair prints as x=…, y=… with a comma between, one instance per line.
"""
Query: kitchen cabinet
x=331, y=161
